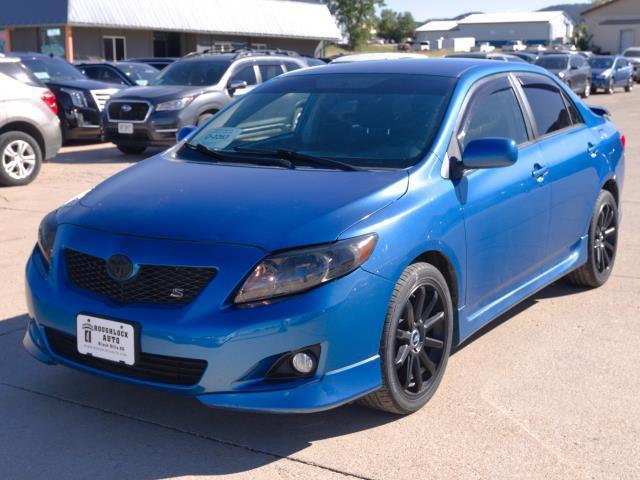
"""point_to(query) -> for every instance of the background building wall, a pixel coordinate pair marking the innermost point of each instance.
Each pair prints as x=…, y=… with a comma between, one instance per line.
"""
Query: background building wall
x=499, y=33
x=88, y=42
x=607, y=22
x=24, y=40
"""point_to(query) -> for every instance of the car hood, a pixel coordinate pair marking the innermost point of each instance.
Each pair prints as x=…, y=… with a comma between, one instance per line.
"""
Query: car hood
x=158, y=93
x=272, y=208
x=82, y=84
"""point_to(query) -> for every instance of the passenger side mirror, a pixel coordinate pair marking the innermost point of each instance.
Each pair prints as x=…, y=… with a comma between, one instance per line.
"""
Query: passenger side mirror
x=490, y=152
x=184, y=132
x=236, y=85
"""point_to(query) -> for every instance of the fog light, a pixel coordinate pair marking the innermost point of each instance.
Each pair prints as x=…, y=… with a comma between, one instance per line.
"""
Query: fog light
x=303, y=362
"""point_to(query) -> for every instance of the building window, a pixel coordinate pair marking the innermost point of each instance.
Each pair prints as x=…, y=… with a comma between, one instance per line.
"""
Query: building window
x=51, y=41
x=115, y=48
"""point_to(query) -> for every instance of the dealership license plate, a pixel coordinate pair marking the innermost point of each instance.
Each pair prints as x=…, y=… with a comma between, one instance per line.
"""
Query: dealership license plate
x=126, y=128
x=107, y=339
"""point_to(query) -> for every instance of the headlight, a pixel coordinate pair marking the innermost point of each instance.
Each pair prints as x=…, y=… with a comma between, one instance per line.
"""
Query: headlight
x=77, y=97
x=561, y=74
x=47, y=234
x=299, y=270
x=174, y=104
x=605, y=74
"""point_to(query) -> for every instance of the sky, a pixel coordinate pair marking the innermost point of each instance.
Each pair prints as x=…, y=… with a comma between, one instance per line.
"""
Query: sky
x=426, y=9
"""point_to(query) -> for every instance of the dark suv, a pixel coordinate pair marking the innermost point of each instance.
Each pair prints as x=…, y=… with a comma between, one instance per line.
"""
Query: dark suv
x=571, y=68
x=80, y=100
x=127, y=74
x=188, y=92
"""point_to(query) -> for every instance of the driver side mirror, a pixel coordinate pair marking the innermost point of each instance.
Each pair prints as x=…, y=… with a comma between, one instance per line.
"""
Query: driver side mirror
x=491, y=152
x=236, y=85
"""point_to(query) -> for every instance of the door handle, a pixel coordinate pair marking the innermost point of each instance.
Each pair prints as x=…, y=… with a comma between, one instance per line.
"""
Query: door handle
x=592, y=149
x=539, y=172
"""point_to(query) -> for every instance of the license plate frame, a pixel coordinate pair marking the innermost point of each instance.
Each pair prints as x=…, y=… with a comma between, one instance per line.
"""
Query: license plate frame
x=125, y=128
x=108, y=339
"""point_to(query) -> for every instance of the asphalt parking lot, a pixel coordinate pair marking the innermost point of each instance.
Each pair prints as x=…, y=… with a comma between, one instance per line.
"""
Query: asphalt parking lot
x=550, y=390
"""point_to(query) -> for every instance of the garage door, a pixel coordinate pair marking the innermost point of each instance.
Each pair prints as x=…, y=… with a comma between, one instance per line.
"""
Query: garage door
x=627, y=39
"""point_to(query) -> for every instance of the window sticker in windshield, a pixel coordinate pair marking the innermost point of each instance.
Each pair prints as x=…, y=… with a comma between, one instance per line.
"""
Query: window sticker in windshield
x=220, y=138
x=42, y=75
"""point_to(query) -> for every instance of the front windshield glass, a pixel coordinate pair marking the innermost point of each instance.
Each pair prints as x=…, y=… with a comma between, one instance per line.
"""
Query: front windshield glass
x=52, y=68
x=597, y=62
x=200, y=73
x=364, y=120
x=139, y=73
x=553, y=62
x=633, y=53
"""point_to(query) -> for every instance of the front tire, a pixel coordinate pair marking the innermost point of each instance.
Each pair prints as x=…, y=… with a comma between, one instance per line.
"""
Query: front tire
x=416, y=341
x=129, y=150
x=610, y=87
x=629, y=86
x=603, y=244
x=20, y=159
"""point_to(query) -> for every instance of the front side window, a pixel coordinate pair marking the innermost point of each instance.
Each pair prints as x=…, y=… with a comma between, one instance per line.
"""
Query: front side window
x=246, y=74
x=549, y=109
x=366, y=120
x=494, y=111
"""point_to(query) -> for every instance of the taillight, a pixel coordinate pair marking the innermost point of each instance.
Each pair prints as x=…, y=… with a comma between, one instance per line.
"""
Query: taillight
x=50, y=99
x=623, y=141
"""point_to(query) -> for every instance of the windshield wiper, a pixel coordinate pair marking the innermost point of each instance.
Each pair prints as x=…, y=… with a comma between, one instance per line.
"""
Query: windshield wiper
x=293, y=156
x=225, y=157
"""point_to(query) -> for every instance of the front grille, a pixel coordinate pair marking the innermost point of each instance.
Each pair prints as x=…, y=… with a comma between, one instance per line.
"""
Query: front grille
x=102, y=96
x=151, y=284
x=148, y=367
x=128, y=111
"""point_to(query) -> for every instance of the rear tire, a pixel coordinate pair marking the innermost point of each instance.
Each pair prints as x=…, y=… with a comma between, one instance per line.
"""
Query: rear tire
x=610, y=89
x=629, y=86
x=587, y=90
x=203, y=118
x=603, y=244
x=416, y=341
x=129, y=150
x=20, y=159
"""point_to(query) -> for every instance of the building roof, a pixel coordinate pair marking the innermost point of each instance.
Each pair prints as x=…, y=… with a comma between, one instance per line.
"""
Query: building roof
x=438, y=26
x=512, y=17
x=264, y=18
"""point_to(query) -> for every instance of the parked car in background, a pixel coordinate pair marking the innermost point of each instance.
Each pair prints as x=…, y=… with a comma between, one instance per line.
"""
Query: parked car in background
x=157, y=62
x=127, y=74
x=80, y=100
x=502, y=57
x=29, y=126
x=187, y=92
x=331, y=236
x=572, y=69
x=365, y=57
x=611, y=71
x=632, y=54
x=528, y=57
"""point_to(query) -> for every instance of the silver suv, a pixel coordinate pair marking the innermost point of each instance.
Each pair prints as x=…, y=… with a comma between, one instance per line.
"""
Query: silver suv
x=188, y=92
x=29, y=125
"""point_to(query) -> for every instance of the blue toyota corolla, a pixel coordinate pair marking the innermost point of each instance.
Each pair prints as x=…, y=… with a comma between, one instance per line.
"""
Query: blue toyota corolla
x=331, y=235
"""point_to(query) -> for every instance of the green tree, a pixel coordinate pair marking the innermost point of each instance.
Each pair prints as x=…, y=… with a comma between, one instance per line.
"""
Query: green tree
x=395, y=26
x=581, y=37
x=356, y=18
x=406, y=26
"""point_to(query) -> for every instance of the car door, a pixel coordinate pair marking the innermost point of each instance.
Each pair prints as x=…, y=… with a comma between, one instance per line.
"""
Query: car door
x=622, y=72
x=569, y=148
x=506, y=209
x=577, y=76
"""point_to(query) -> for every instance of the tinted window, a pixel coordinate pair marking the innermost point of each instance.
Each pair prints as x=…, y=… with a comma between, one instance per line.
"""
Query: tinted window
x=380, y=120
x=19, y=72
x=45, y=68
x=573, y=110
x=553, y=62
x=547, y=104
x=267, y=72
x=632, y=53
x=601, y=62
x=192, y=72
x=494, y=112
x=577, y=61
x=290, y=66
x=247, y=74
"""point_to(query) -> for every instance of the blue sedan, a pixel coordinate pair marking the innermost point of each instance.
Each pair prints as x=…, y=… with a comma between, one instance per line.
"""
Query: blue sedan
x=330, y=236
x=611, y=71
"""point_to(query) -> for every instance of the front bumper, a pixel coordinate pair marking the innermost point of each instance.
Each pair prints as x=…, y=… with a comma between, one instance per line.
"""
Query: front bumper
x=345, y=317
x=599, y=82
x=159, y=129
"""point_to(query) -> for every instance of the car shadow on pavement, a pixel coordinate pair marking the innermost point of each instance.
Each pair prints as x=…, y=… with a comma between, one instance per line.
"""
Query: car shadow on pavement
x=101, y=427
x=83, y=153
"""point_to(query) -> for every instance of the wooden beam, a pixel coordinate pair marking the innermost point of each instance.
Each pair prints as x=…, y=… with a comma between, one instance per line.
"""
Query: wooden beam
x=68, y=43
x=7, y=39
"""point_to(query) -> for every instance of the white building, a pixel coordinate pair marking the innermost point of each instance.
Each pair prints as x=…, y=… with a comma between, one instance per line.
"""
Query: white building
x=614, y=25
x=501, y=28
x=430, y=34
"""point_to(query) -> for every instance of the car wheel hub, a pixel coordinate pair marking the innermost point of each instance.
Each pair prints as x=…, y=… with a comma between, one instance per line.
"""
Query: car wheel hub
x=18, y=159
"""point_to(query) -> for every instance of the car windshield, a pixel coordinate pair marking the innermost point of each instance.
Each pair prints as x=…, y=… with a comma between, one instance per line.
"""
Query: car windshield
x=601, y=62
x=139, y=73
x=52, y=68
x=198, y=73
x=363, y=120
x=553, y=62
x=634, y=53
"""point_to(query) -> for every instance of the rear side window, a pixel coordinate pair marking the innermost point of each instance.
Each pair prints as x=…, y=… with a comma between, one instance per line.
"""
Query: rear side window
x=267, y=72
x=494, y=111
x=19, y=72
x=547, y=104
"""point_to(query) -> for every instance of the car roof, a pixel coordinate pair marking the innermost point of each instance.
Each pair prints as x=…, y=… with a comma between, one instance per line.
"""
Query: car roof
x=442, y=67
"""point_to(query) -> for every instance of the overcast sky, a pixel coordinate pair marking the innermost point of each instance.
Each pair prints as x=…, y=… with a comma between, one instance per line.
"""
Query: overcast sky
x=425, y=9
